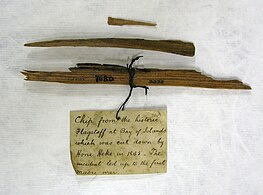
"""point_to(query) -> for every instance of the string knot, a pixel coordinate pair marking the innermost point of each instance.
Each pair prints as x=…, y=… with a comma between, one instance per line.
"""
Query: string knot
x=131, y=71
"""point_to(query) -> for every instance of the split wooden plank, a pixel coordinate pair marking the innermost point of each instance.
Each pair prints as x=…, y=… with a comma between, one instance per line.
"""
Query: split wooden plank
x=86, y=73
x=169, y=46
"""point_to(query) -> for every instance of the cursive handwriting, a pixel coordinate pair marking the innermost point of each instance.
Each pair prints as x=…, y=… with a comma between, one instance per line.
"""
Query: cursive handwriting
x=136, y=143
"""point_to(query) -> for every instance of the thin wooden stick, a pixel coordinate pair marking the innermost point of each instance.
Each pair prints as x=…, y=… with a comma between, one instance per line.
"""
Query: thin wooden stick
x=86, y=73
x=170, y=46
x=121, y=22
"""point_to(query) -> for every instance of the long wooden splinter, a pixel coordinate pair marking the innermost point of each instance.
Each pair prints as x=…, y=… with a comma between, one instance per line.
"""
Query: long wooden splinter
x=170, y=46
x=121, y=22
x=91, y=73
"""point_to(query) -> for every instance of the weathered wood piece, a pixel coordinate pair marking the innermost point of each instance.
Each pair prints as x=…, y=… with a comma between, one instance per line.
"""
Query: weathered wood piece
x=90, y=73
x=170, y=46
x=121, y=22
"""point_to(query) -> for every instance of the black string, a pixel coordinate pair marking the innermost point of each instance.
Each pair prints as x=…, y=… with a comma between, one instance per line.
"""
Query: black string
x=131, y=71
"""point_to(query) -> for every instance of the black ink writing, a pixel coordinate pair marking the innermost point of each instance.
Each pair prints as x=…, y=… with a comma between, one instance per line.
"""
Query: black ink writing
x=103, y=78
x=156, y=81
x=103, y=145
x=83, y=119
x=146, y=119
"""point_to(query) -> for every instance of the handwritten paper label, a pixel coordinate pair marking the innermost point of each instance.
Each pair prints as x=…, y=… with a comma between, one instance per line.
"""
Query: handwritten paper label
x=102, y=145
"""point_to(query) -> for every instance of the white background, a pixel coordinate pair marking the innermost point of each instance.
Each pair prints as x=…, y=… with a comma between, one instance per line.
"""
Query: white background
x=215, y=136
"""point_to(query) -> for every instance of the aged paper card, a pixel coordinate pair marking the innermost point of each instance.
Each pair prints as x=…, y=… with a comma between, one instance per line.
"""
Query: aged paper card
x=102, y=145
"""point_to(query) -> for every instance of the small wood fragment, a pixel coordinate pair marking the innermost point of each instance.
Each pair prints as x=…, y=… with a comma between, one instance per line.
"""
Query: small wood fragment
x=170, y=46
x=90, y=73
x=121, y=22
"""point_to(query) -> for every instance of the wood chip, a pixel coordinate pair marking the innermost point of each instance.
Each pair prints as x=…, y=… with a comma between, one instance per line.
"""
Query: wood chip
x=121, y=22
